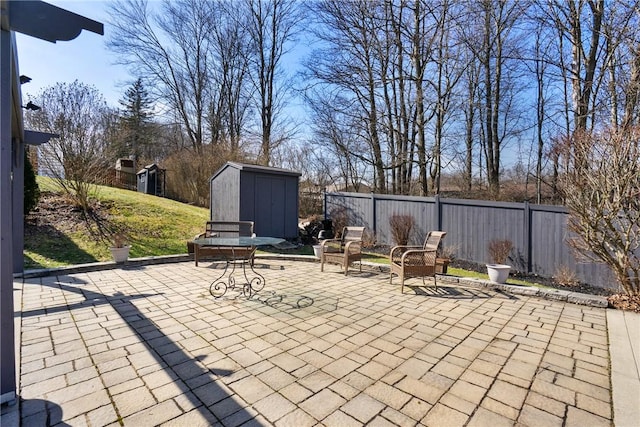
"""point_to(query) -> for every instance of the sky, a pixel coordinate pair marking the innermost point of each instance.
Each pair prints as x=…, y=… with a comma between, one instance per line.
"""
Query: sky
x=85, y=58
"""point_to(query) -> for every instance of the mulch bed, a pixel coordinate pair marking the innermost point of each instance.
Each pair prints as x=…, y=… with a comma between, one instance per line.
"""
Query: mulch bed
x=617, y=301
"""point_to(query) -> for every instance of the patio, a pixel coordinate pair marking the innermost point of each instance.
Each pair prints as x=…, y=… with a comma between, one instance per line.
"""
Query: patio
x=147, y=345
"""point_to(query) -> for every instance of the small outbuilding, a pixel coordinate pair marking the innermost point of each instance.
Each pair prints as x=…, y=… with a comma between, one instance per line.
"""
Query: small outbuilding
x=265, y=195
x=151, y=180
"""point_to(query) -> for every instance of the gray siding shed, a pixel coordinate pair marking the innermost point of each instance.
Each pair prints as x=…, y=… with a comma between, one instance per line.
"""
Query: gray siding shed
x=151, y=180
x=265, y=195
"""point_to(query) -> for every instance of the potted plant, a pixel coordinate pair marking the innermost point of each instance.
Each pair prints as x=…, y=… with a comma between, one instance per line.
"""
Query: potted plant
x=401, y=226
x=119, y=250
x=441, y=265
x=444, y=256
x=317, y=250
x=499, y=251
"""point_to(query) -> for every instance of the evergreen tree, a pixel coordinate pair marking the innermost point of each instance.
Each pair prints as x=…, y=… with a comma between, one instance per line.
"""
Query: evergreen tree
x=136, y=122
x=31, y=189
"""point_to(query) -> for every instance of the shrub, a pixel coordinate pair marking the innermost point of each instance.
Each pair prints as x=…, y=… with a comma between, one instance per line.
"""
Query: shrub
x=31, y=189
x=80, y=116
x=448, y=251
x=119, y=240
x=601, y=186
x=189, y=170
x=339, y=219
x=401, y=226
x=565, y=276
x=499, y=250
x=369, y=239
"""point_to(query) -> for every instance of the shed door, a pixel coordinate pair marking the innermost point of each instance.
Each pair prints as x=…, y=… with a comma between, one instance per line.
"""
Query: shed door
x=151, y=183
x=270, y=206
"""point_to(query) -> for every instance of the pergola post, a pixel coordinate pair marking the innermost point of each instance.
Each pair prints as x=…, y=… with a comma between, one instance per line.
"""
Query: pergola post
x=47, y=22
x=7, y=344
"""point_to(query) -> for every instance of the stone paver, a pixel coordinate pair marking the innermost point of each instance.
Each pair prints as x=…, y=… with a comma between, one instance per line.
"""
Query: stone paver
x=148, y=345
x=624, y=345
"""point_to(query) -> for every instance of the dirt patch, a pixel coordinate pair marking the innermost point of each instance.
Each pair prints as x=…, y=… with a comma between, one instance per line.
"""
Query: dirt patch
x=583, y=288
x=55, y=210
x=56, y=214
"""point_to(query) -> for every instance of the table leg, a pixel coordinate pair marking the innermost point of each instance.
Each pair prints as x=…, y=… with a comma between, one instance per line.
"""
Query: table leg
x=253, y=285
x=253, y=281
x=219, y=287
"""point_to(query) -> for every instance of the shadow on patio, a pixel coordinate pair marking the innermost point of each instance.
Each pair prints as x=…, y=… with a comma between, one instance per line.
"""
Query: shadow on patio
x=211, y=400
x=148, y=345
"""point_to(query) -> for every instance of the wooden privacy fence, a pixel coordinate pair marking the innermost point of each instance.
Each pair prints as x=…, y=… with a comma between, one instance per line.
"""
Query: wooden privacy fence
x=538, y=232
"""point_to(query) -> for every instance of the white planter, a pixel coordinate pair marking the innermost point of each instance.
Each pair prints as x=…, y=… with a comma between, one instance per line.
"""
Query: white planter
x=498, y=273
x=317, y=251
x=120, y=254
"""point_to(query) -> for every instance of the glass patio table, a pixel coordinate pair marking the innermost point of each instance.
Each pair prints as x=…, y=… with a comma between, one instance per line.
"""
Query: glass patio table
x=238, y=251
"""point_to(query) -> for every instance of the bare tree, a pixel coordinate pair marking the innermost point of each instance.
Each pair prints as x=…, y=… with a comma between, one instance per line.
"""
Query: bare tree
x=495, y=42
x=540, y=69
x=405, y=53
x=598, y=48
x=588, y=67
x=348, y=66
x=272, y=26
x=414, y=45
x=339, y=147
x=230, y=104
x=584, y=55
x=171, y=48
x=398, y=74
x=578, y=24
x=603, y=197
x=79, y=114
x=449, y=68
x=470, y=110
x=398, y=69
x=632, y=91
x=620, y=65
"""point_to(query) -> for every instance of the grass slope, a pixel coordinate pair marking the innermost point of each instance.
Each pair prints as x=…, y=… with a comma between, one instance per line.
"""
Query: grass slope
x=56, y=235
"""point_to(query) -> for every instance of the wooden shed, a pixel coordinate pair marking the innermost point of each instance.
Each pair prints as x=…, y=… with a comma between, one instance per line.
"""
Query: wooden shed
x=265, y=195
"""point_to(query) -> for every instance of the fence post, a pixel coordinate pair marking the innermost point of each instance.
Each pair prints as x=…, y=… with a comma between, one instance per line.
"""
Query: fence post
x=374, y=220
x=527, y=236
x=438, y=217
x=324, y=203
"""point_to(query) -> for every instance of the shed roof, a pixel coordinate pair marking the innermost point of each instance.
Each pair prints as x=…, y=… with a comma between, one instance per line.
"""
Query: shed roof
x=255, y=168
x=150, y=167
